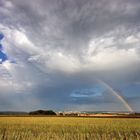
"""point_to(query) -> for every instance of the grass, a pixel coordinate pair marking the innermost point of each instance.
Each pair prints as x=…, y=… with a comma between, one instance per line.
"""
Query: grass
x=68, y=128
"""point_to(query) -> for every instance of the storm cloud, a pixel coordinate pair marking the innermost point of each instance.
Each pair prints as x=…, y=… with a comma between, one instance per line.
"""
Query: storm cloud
x=62, y=48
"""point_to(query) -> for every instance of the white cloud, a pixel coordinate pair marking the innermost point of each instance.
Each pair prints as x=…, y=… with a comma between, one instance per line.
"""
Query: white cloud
x=63, y=62
x=132, y=39
x=104, y=53
x=101, y=53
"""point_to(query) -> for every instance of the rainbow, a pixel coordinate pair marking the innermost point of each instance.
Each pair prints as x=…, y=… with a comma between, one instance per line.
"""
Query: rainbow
x=116, y=94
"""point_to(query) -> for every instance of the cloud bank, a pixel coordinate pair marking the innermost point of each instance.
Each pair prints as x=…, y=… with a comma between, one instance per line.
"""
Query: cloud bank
x=63, y=47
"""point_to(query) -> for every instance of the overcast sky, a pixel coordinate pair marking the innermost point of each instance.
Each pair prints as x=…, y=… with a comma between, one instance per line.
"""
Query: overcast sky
x=64, y=48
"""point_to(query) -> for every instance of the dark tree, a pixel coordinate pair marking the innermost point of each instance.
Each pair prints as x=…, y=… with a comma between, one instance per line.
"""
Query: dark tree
x=42, y=112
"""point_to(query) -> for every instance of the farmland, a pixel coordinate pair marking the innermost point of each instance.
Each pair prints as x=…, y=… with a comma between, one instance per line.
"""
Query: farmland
x=69, y=128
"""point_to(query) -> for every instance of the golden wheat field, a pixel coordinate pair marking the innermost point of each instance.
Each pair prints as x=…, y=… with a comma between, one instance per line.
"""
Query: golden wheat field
x=68, y=128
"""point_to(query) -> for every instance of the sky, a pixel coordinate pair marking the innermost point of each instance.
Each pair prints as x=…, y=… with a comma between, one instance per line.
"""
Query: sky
x=70, y=55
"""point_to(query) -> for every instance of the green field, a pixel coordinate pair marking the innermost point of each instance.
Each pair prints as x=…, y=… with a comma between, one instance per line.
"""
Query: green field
x=68, y=128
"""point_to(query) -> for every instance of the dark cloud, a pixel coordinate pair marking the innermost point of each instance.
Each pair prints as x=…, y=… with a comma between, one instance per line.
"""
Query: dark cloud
x=65, y=45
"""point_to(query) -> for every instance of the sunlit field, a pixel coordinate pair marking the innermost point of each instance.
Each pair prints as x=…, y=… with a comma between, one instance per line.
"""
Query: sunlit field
x=68, y=128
